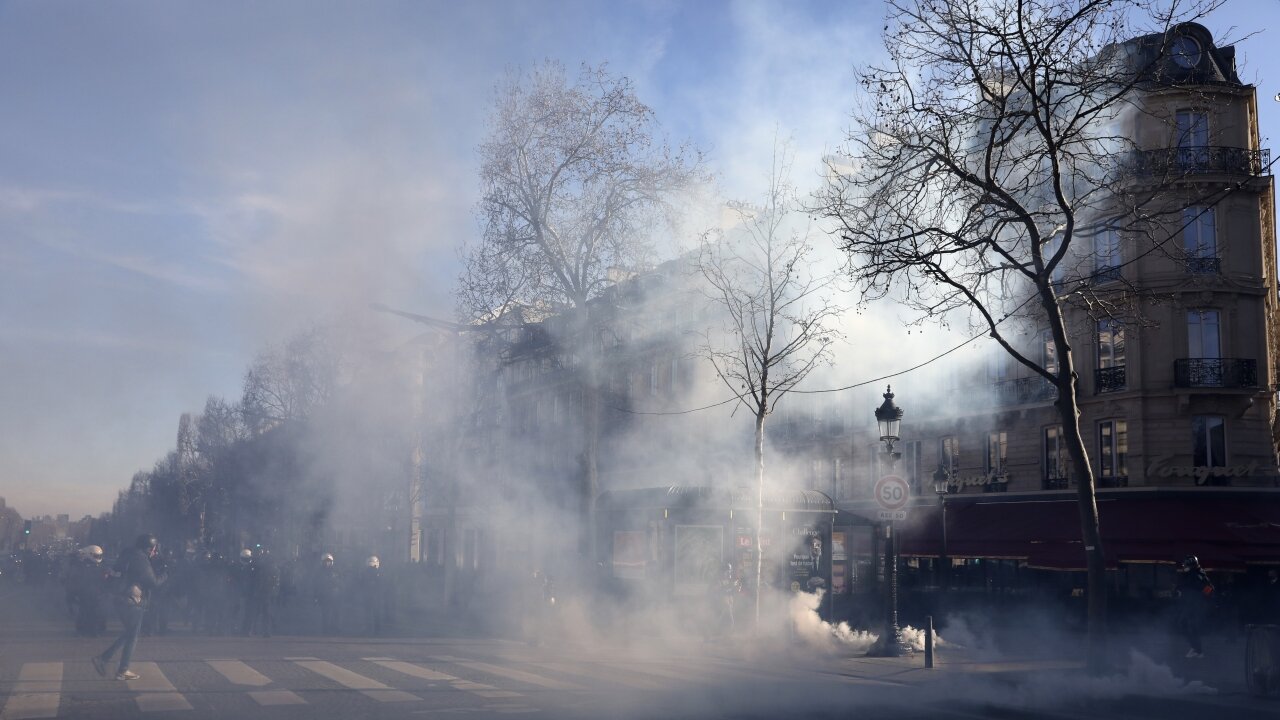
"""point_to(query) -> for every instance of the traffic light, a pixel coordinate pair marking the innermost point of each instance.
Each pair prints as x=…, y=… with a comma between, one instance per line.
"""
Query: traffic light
x=26, y=527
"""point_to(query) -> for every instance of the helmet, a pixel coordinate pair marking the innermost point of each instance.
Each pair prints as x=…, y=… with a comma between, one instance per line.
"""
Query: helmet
x=327, y=557
x=1190, y=561
x=93, y=552
x=246, y=554
x=373, y=561
x=145, y=541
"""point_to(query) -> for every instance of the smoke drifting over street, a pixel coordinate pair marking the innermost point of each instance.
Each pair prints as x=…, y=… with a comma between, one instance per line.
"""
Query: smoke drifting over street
x=560, y=340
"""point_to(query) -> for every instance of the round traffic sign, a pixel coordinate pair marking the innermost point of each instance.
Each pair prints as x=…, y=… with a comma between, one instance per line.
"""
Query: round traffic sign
x=892, y=492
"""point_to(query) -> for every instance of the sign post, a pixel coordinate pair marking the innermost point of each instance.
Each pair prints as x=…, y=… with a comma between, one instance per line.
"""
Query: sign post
x=892, y=495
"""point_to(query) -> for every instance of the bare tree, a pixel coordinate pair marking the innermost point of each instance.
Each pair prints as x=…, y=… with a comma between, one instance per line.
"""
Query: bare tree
x=573, y=176
x=288, y=384
x=777, y=306
x=989, y=153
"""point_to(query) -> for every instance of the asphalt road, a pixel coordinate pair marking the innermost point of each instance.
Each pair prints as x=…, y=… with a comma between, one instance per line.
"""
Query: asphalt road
x=45, y=673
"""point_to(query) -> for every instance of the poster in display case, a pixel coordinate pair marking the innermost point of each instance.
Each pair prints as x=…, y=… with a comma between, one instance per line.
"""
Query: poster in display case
x=699, y=558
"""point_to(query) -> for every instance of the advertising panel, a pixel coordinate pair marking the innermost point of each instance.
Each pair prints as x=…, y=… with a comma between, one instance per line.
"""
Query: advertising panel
x=806, y=559
x=699, y=558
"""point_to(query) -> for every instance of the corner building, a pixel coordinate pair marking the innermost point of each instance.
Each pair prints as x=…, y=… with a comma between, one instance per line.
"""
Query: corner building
x=1177, y=393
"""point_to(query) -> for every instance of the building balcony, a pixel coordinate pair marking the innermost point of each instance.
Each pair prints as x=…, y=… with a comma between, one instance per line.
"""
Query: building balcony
x=1106, y=275
x=1056, y=483
x=1215, y=373
x=1206, y=160
x=1113, y=481
x=1110, y=379
x=1022, y=391
x=1203, y=265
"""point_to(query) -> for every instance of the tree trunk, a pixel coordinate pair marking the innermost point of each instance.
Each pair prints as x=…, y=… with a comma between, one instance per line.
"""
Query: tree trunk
x=590, y=455
x=759, y=450
x=1086, y=500
x=591, y=420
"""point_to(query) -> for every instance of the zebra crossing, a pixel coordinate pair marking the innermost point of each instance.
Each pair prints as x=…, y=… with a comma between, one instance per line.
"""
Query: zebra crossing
x=498, y=685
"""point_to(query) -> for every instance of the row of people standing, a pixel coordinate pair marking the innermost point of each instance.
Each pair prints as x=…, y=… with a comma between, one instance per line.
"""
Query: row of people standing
x=258, y=596
x=252, y=594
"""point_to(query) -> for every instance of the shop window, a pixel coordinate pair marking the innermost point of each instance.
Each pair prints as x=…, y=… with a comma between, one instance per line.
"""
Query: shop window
x=1204, y=336
x=997, y=459
x=1209, y=440
x=998, y=366
x=1200, y=239
x=1048, y=352
x=1113, y=452
x=837, y=479
x=1110, y=373
x=1193, y=129
x=1056, y=475
x=1106, y=255
x=949, y=454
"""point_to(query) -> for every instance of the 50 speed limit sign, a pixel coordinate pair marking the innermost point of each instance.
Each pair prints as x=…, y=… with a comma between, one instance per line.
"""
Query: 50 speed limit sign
x=892, y=494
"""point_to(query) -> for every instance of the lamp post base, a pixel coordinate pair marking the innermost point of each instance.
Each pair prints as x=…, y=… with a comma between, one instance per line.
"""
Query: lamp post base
x=890, y=644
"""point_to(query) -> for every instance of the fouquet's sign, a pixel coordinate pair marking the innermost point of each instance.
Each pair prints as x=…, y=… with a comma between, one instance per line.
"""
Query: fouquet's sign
x=955, y=482
x=1160, y=467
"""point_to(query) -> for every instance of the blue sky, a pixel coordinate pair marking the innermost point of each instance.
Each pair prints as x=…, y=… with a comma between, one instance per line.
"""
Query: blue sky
x=183, y=183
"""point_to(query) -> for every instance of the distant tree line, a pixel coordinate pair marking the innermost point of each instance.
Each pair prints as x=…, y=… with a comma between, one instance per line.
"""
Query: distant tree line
x=318, y=417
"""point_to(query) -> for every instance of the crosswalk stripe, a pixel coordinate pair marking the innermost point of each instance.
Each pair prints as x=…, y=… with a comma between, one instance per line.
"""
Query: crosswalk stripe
x=241, y=674
x=510, y=673
x=37, y=693
x=276, y=697
x=355, y=681
x=155, y=692
x=475, y=688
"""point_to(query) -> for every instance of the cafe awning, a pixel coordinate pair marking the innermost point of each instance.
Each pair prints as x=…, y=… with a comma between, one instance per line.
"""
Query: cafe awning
x=1227, y=529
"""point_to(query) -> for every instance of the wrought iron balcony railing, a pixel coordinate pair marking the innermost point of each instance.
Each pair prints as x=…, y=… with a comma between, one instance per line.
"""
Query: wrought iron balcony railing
x=1203, y=265
x=1024, y=390
x=1056, y=483
x=994, y=487
x=1215, y=373
x=1106, y=275
x=1209, y=159
x=1113, y=481
x=1109, y=379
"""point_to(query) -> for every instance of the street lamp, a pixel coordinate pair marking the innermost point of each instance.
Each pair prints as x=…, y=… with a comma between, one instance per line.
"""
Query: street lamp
x=942, y=486
x=889, y=419
x=890, y=644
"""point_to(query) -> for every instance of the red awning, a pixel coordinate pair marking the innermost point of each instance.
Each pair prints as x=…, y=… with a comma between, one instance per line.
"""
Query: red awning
x=1225, y=532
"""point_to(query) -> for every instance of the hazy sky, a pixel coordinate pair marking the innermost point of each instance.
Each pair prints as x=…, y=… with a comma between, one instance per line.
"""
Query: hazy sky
x=182, y=183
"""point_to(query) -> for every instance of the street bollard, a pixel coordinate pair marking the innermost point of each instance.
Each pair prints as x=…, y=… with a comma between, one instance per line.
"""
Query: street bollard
x=928, y=641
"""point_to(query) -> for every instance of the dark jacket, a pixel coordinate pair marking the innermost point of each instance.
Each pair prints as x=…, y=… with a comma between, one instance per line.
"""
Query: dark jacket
x=135, y=569
x=1194, y=590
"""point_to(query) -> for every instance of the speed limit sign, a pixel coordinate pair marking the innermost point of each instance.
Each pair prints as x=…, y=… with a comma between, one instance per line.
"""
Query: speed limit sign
x=892, y=494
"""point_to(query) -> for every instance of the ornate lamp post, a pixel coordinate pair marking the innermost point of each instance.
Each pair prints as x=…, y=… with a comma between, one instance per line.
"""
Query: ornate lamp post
x=890, y=644
x=942, y=486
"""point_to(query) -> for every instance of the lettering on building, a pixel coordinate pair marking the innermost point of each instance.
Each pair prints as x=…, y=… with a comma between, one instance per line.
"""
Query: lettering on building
x=1159, y=467
x=955, y=482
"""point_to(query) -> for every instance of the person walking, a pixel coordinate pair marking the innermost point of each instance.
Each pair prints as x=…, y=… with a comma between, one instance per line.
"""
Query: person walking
x=139, y=580
x=1194, y=593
